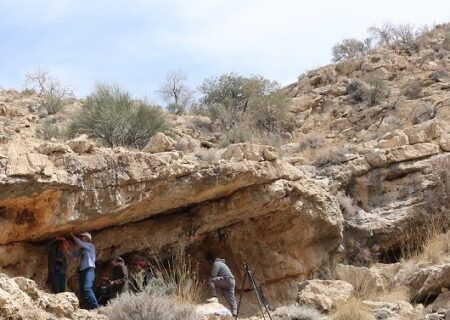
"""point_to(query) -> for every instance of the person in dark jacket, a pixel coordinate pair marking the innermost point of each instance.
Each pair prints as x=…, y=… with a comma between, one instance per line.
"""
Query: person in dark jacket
x=57, y=264
x=222, y=278
x=140, y=277
x=119, y=282
x=103, y=291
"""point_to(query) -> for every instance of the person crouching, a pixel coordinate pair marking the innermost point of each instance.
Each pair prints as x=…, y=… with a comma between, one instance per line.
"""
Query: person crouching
x=222, y=278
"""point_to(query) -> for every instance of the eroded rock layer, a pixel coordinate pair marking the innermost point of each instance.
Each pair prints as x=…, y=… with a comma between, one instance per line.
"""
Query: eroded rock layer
x=266, y=213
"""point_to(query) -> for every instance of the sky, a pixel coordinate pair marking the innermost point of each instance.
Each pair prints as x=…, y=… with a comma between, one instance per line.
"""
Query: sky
x=135, y=43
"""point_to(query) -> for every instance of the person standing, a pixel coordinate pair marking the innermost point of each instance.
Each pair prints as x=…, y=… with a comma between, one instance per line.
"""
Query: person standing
x=119, y=282
x=57, y=264
x=86, y=268
x=139, y=277
x=222, y=278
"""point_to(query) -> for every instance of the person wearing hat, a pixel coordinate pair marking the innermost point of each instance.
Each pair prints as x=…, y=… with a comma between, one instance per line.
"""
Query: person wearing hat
x=119, y=282
x=86, y=268
x=222, y=278
x=139, y=277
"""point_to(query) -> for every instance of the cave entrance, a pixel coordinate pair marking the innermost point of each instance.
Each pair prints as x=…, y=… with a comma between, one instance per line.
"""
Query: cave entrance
x=391, y=255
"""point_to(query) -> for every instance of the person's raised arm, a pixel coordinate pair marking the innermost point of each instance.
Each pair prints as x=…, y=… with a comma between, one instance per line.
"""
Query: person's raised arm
x=84, y=245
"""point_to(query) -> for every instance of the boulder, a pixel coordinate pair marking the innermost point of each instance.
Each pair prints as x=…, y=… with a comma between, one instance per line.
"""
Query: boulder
x=20, y=298
x=395, y=139
x=425, y=280
x=160, y=143
x=382, y=157
x=49, y=148
x=441, y=302
x=324, y=294
x=444, y=142
x=251, y=152
x=359, y=276
x=80, y=144
x=213, y=310
x=424, y=132
x=394, y=310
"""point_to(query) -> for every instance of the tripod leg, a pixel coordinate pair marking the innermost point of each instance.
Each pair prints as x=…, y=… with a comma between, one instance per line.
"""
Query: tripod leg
x=240, y=295
x=258, y=297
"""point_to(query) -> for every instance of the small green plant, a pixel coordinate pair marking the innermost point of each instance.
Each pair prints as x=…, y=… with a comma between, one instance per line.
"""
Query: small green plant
x=112, y=116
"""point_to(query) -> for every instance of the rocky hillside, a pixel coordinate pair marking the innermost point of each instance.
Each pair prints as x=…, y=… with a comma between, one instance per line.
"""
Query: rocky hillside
x=350, y=184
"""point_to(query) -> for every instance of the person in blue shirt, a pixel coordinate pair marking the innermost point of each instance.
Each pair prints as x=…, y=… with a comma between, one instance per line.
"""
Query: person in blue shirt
x=86, y=269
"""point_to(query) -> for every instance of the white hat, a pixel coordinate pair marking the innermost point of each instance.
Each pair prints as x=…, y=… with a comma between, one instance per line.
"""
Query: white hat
x=86, y=234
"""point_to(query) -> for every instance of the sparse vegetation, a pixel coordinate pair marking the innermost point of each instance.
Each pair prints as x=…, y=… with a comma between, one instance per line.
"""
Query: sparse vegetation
x=439, y=75
x=176, y=93
x=297, y=313
x=51, y=129
x=351, y=48
x=112, y=116
x=311, y=140
x=352, y=309
x=143, y=306
x=375, y=91
x=179, y=272
x=50, y=90
x=347, y=204
x=329, y=156
x=427, y=241
x=412, y=90
x=236, y=103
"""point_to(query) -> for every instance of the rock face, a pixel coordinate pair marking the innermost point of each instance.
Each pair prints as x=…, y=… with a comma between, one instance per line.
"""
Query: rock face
x=266, y=213
x=21, y=299
x=324, y=294
x=159, y=143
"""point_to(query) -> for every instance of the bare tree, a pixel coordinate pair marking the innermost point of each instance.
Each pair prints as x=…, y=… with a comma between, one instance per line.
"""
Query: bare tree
x=50, y=90
x=175, y=92
x=383, y=35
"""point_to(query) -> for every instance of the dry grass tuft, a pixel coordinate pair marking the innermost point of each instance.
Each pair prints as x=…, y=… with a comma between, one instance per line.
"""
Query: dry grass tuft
x=352, y=309
x=143, y=306
x=179, y=272
x=398, y=293
x=426, y=241
x=347, y=204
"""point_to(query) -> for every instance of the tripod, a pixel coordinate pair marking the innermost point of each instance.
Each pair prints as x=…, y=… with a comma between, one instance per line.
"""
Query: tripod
x=259, y=295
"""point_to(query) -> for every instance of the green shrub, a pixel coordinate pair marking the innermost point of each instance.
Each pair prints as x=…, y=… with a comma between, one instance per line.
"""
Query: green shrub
x=176, y=108
x=234, y=102
x=372, y=91
x=50, y=129
x=375, y=91
x=356, y=91
x=113, y=117
x=143, y=306
x=350, y=48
